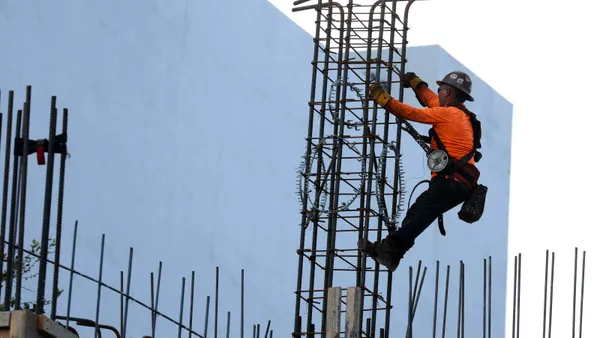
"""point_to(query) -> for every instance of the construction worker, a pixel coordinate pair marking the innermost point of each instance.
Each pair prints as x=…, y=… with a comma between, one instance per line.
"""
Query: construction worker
x=452, y=131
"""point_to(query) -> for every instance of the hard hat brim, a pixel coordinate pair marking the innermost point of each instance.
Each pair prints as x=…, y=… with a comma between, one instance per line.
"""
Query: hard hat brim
x=469, y=97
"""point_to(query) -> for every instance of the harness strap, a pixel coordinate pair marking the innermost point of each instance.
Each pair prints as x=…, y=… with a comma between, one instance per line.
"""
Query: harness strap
x=460, y=166
x=458, y=163
x=441, y=225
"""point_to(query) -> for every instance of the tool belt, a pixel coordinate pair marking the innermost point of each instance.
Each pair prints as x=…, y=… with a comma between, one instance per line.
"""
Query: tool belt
x=473, y=207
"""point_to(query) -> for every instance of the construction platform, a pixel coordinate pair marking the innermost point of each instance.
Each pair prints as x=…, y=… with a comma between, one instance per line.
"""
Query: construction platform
x=26, y=324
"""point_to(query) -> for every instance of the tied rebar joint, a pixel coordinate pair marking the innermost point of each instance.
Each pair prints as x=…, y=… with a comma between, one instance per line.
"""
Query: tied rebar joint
x=40, y=147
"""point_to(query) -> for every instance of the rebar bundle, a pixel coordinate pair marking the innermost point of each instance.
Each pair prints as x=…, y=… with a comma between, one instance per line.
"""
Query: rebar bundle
x=15, y=208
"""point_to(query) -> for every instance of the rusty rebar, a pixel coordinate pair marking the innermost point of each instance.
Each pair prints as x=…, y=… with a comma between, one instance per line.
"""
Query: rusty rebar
x=23, y=195
x=59, y=213
x=5, y=199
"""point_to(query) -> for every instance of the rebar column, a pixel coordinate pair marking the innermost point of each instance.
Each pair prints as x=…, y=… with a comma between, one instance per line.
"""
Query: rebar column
x=350, y=180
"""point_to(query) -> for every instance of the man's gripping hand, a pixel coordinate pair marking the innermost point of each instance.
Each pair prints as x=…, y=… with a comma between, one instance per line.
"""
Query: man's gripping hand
x=411, y=80
x=379, y=94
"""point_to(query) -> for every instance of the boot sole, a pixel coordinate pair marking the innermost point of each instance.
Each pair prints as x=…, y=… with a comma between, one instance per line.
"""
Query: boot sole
x=368, y=248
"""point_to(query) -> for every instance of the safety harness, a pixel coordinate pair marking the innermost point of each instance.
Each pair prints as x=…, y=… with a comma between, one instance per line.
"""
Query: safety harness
x=440, y=162
x=466, y=173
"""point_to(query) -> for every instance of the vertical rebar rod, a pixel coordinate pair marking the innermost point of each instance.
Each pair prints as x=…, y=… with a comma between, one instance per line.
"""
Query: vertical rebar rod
x=216, y=301
x=23, y=199
x=156, y=300
x=519, y=300
x=129, y=268
x=192, y=303
x=551, y=297
x=242, y=306
x=181, y=304
x=267, y=329
x=460, y=305
x=489, y=297
x=397, y=167
x=581, y=296
x=6, y=182
x=409, y=302
x=574, y=294
x=228, y=324
x=206, y=317
x=97, y=317
x=446, y=301
x=368, y=147
x=463, y=286
x=368, y=131
x=121, y=299
x=484, y=295
x=435, y=302
x=152, y=311
x=41, y=286
x=363, y=225
x=14, y=205
x=59, y=215
x=417, y=277
x=335, y=162
x=418, y=296
x=71, y=273
x=307, y=169
x=545, y=296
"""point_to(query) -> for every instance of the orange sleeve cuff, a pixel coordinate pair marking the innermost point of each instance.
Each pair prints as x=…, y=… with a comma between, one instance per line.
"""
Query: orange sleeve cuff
x=428, y=96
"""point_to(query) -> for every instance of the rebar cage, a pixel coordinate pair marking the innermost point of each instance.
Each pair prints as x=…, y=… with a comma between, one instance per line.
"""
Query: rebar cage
x=350, y=182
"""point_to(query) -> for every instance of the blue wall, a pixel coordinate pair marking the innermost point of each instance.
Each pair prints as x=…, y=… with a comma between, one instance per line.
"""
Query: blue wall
x=187, y=124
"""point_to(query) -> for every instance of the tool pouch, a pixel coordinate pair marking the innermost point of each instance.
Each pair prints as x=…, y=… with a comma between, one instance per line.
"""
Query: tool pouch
x=472, y=209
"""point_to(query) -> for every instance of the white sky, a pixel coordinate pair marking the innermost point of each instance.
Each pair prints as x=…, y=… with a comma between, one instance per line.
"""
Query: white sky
x=542, y=56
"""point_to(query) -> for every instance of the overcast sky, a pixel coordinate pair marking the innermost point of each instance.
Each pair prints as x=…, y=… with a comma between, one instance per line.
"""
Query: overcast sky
x=542, y=56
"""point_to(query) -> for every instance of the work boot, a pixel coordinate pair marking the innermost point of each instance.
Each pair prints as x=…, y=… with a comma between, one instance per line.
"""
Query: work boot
x=387, y=252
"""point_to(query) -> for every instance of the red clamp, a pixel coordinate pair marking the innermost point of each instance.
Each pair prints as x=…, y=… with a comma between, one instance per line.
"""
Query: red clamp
x=41, y=159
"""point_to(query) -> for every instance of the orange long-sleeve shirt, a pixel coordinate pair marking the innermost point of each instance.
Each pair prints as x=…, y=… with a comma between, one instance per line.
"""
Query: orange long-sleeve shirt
x=450, y=123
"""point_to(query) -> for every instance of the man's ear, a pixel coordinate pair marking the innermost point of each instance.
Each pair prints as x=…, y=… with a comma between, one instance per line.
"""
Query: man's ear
x=451, y=91
x=443, y=93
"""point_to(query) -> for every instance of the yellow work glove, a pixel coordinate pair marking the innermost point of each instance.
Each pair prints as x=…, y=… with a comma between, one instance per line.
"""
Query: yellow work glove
x=379, y=94
x=411, y=80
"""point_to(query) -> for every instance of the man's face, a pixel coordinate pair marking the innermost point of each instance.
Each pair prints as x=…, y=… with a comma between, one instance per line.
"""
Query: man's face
x=444, y=94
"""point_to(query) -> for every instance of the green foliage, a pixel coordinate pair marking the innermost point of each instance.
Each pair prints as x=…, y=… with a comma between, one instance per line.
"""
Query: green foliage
x=29, y=271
